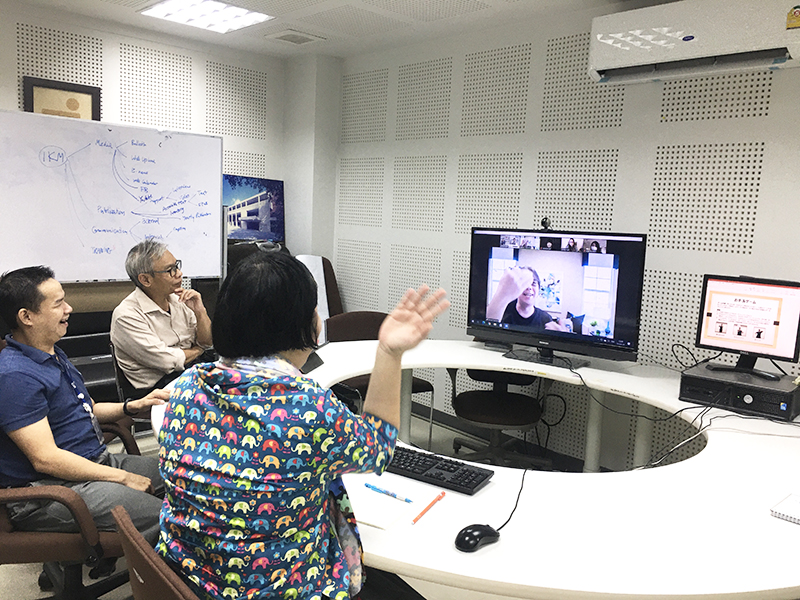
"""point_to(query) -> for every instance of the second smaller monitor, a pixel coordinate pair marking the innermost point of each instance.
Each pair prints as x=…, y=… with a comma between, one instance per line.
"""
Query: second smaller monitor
x=751, y=317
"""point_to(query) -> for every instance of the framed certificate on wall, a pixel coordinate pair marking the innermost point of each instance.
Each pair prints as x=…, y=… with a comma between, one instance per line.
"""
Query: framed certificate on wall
x=60, y=98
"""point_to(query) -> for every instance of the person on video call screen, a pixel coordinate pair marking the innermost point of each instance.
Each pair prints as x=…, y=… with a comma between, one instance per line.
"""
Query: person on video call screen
x=513, y=301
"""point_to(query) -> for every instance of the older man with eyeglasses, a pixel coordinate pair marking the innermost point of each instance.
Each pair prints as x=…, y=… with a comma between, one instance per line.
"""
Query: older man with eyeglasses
x=160, y=328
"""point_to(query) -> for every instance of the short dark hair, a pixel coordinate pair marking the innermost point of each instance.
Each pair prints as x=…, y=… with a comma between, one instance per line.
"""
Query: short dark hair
x=265, y=306
x=20, y=289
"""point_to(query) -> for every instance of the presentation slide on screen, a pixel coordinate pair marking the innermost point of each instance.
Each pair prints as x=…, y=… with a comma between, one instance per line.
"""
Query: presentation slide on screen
x=748, y=318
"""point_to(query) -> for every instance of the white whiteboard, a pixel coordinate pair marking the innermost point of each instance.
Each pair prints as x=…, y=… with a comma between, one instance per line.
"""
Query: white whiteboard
x=76, y=195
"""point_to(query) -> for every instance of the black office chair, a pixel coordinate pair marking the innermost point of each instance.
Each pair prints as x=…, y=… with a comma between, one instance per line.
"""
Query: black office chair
x=497, y=410
x=125, y=388
x=364, y=325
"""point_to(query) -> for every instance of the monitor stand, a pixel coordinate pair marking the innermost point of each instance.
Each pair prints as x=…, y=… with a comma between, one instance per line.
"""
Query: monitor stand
x=745, y=364
x=545, y=356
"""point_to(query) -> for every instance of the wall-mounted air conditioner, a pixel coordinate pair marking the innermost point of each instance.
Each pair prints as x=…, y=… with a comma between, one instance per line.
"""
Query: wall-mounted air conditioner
x=693, y=38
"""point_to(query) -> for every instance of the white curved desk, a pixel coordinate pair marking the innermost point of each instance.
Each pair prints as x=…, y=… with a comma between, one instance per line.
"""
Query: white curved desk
x=696, y=529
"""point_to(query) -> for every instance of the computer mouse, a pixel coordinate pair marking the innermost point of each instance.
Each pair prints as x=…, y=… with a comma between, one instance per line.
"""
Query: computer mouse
x=473, y=537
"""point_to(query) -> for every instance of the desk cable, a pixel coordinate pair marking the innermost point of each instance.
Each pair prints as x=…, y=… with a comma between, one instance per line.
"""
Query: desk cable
x=703, y=427
x=516, y=504
x=625, y=413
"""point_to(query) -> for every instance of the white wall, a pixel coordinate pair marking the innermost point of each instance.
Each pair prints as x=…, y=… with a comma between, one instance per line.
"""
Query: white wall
x=503, y=127
x=153, y=80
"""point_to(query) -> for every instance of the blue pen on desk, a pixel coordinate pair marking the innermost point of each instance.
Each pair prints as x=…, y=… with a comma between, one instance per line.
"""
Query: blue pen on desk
x=375, y=488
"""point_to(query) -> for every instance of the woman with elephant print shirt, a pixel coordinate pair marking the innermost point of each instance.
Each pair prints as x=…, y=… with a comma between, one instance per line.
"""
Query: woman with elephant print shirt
x=252, y=450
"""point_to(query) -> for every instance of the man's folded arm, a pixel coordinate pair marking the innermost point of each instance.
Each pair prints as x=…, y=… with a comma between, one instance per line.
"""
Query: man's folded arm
x=136, y=340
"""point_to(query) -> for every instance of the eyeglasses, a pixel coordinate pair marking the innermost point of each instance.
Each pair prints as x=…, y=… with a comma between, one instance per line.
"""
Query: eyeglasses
x=173, y=270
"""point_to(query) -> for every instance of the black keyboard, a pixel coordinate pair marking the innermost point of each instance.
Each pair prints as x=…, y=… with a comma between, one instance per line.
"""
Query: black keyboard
x=438, y=470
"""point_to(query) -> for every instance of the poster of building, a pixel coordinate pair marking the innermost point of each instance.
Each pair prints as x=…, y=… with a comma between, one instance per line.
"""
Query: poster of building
x=253, y=208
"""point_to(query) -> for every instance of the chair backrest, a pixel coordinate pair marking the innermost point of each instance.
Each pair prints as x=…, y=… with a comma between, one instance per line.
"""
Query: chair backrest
x=331, y=289
x=501, y=379
x=150, y=576
x=355, y=325
x=124, y=387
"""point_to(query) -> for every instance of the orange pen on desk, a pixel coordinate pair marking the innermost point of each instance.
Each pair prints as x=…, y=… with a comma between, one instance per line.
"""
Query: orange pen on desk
x=427, y=508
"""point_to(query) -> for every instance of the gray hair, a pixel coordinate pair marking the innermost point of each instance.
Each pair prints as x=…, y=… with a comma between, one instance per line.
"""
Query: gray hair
x=141, y=258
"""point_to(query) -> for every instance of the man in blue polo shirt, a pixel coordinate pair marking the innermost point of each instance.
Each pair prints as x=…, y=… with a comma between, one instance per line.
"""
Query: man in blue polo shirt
x=49, y=426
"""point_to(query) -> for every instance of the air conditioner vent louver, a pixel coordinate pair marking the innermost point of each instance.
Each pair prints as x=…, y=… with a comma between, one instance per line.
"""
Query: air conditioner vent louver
x=693, y=38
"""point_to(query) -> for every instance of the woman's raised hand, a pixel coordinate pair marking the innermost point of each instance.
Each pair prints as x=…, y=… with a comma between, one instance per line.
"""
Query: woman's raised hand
x=411, y=320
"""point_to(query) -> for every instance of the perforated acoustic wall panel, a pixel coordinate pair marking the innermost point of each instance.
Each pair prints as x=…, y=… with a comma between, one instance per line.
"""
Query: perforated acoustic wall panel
x=577, y=187
x=358, y=272
x=235, y=101
x=568, y=437
x=674, y=440
x=155, y=87
x=496, y=84
x=246, y=164
x=364, y=101
x=459, y=289
x=736, y=96
x=58, y=55
x=488, y=191
x=428, y=375
x=670, y=309
x=418, y=193
x=409, y=266
x=570, y=99
x=423, y=99
x=360, y=191
x=686, y=162
x=705, y=197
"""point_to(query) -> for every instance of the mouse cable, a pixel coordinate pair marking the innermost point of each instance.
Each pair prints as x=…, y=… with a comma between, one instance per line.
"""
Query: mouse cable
x=516, y=504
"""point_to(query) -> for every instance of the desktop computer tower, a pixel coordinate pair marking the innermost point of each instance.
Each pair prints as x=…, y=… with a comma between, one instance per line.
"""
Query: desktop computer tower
x=741, y=392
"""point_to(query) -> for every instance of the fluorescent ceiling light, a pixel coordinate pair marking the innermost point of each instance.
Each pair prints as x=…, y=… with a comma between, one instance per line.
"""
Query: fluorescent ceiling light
x=206, y=14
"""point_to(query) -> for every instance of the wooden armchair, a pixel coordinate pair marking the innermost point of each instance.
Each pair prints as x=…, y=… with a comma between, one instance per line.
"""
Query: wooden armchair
x=64, y=554
x=151, y=577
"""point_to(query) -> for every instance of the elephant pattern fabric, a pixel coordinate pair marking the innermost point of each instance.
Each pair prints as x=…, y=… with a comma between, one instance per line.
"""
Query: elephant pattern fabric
x=251, y=453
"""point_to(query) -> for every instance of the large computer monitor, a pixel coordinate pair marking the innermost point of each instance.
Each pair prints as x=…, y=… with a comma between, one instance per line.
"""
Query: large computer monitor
x=754, y=318
x=572, y=291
